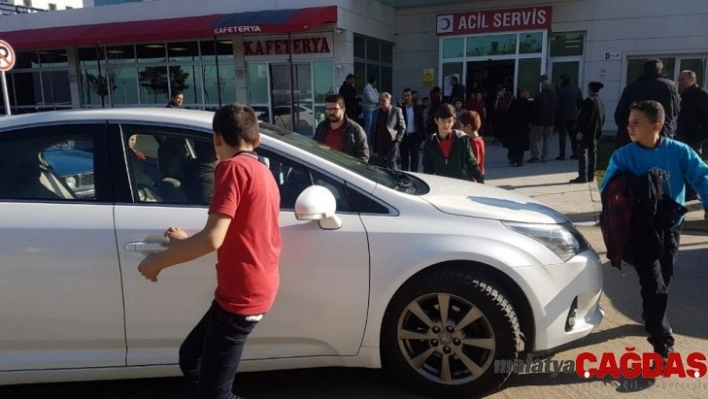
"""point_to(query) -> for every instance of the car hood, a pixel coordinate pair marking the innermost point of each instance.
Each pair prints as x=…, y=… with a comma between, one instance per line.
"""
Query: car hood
x=463, y=198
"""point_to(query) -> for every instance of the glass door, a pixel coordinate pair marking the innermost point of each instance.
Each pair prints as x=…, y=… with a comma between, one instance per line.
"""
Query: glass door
x=292, y=99
x=570, y=66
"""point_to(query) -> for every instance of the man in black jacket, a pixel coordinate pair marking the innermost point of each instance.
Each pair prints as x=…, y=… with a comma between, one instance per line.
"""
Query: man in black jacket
x=546, y=106
x=351, y=102
x=692, y=126
x=340, y=132
x=651, y=86
x=414, y=135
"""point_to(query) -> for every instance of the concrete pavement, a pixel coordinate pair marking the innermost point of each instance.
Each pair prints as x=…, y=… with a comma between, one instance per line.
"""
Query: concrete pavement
x=549, y=183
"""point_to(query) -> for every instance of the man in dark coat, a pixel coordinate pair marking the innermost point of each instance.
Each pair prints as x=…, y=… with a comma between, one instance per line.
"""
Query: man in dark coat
x=340, y=132
x=351, y=101
x=589, y=131
x=692, y=125
x=651, y=86
x=518, y=138
x=415, y=132
x=571, y=99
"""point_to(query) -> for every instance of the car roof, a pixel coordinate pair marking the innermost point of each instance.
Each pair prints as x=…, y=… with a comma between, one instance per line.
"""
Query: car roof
x=158, y=115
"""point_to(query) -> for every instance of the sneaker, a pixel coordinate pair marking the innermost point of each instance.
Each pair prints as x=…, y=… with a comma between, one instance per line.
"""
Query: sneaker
x=663, y=350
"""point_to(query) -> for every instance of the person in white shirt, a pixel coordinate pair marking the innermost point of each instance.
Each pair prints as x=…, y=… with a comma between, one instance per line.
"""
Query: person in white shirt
x=369, y=103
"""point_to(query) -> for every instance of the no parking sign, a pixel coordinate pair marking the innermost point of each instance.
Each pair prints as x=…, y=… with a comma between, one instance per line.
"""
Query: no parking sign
x=7, y=61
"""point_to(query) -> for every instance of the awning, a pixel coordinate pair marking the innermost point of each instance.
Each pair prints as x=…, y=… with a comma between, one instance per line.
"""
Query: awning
x=114, y=33
x=276, y=21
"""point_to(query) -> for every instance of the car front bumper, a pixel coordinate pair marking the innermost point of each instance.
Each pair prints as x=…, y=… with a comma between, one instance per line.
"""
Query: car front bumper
x=566, y=299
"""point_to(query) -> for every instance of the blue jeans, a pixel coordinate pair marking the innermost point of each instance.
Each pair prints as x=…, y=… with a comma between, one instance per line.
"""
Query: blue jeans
x=368, y=121
x=211, y=353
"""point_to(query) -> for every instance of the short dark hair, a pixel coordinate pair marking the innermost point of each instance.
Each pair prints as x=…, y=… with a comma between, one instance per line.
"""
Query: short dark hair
x=335, y=98
x=236, y=124
x=406, y=90
x=445, y=111
x=471, y=118
x=595, y=87
x=414, y=92
x=350, y=76
x=175, y=93
x=653, y=110
x=372, y=79
x=653, y=66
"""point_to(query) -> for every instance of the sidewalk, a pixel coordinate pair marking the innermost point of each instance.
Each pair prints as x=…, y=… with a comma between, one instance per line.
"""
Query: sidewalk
x=548, y=182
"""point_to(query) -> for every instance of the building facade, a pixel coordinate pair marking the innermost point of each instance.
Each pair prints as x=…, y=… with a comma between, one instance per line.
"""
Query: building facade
x=283, y=57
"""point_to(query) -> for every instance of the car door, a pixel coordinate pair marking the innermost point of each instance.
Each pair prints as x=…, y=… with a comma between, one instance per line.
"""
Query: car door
x=322, y=301
x=61, y=301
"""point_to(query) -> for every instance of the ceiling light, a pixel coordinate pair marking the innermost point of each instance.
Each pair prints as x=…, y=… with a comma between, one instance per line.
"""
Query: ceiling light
x=154, y=45
x=178, y=49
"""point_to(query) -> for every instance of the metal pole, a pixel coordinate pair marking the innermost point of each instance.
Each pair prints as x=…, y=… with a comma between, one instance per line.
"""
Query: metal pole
x=5, y=94
x=293, y=121
x=218, y=75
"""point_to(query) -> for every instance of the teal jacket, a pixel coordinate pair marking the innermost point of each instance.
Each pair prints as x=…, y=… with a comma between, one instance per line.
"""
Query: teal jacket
x=461, y=164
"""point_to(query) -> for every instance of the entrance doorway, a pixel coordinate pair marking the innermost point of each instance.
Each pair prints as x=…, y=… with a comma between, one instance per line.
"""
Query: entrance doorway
x=292, y=104
x=487, y=76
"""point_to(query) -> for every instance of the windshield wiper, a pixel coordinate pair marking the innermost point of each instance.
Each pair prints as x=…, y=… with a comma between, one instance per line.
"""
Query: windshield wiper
x=404, y=183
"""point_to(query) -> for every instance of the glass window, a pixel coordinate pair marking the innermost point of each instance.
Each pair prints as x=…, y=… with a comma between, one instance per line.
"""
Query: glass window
x=635, y=68
x=373, y=70
x=56, y=88
x=153, y=52
x=360, y=73
x=320, y=114
x=697, y=65
x=224, y=48
x=53, y=59
x=386, y=80
x=386, y=52
x=227, y=81
x=323, y=72
x=258, y=83
x=373, y=50
x=124, y=79
x=183, y=52
x=153, y=85
x=359, y=47
x=182, y=79
x=26, y=59
x=567, y=44
x=529, y=74
x=453, y=48
x=121, y=55
x=478, y=46
x=531, y=43
x=170, y=166
x=43, y=165
x=28, y=88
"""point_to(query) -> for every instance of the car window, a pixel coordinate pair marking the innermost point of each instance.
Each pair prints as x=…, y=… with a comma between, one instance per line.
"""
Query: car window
x=52, y=163
x=293, y=178
x=174, y=166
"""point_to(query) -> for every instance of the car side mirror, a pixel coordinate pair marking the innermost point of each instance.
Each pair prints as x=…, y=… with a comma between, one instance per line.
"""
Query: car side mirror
x=318, y=203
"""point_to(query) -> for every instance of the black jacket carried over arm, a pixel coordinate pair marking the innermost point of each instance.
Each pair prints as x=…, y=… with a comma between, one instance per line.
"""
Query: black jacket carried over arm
x=693, y=117
x=648, y=87
x=353, y=137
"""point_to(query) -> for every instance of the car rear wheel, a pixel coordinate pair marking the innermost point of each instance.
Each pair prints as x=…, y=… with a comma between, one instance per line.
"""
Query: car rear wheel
x=444, y=330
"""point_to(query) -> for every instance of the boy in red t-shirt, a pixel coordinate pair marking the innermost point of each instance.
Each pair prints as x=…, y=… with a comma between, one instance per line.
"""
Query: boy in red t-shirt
x=243, y=228
x=470, y=123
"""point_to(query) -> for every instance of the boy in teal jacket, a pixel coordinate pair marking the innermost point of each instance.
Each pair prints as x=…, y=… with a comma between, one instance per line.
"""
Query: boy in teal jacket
x=448, y=153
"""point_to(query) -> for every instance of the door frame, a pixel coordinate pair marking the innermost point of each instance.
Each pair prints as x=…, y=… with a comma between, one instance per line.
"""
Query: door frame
x=291, y=66
x=574, y=58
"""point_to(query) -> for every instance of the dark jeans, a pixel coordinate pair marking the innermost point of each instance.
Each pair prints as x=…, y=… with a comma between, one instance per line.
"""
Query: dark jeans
x=587, y=159
x=410, y=152
x=388, y=156
x=567, y=129
x=654, y=279
x=516, y=155
x=211, y=353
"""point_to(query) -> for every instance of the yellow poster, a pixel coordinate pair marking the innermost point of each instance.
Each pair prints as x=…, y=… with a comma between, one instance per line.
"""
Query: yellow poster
x=428, y=77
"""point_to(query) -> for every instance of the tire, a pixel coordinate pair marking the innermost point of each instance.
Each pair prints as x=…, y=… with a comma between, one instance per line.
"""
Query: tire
x=418, y=356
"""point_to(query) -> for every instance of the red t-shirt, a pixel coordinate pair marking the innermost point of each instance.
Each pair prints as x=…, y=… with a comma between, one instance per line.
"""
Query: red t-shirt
x=247, y=262
x=334, y=138
x=446, y=145
x=478, y=150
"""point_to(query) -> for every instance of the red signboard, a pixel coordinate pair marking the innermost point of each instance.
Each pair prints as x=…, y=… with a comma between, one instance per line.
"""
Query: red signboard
x=514, y=19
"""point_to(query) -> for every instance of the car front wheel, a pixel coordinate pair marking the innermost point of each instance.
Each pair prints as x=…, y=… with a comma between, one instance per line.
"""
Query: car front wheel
x=444, y=330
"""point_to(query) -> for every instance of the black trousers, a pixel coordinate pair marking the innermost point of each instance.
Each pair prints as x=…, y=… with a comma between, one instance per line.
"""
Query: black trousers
x=210, y=355
x=567, y=129
x=388, y=156
x=654, y=279
x=410, y=152
x=587, y=159
x=516, y=155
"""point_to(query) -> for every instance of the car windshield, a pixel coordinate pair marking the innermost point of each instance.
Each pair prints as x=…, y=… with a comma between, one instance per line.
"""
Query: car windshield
x=396, y=180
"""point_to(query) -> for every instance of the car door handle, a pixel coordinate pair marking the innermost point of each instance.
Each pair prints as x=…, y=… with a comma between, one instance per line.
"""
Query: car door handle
x=144, y=247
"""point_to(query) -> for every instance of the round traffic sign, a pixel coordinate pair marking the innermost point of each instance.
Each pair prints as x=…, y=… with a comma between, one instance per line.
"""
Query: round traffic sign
x=7, y=56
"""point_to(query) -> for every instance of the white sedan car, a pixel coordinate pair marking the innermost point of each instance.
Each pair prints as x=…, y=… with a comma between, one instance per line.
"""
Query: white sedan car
x=435, y=278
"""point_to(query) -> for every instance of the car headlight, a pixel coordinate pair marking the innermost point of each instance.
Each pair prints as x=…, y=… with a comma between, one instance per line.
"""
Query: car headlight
x=70, y=181
x=563, y=239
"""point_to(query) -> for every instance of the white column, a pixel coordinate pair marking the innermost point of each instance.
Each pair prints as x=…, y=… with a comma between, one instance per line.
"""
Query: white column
x=72, y=57
x=343, y=56
x=240, y=70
